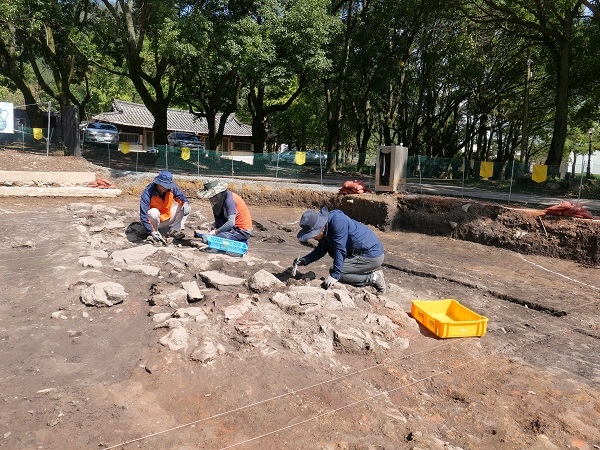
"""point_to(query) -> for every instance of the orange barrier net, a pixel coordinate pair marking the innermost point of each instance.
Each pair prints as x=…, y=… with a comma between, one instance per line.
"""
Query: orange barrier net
x=354, y=187
x=101, y=183
x=569, y=209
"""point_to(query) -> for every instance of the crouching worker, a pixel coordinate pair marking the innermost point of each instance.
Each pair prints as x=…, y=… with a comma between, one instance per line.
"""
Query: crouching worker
x=232, y=217
x=357, y=253
x=164, y=207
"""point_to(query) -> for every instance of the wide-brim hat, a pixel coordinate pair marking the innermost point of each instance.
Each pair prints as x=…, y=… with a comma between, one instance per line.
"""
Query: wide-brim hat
x=212, y=188
x=165, y=179
x=312, y=223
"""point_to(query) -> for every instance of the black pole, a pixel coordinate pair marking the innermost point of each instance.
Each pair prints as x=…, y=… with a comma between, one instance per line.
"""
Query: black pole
x=589, y=173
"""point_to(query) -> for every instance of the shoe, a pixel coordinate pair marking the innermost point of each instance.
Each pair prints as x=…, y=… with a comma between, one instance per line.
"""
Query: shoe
x=378, y=282
x=176, y=234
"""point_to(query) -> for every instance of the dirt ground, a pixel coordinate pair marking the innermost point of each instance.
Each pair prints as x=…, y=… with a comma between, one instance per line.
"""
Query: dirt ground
x=260, y=368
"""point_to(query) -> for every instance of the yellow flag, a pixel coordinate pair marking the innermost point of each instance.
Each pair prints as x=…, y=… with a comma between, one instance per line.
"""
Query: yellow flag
x=540, y=173
x=487, y=169
x=185, y=153
x=125, y=147
x=37, y=133
x=300, y=158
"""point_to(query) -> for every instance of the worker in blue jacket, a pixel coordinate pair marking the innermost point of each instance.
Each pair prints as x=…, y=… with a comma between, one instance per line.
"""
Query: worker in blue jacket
x=357, y=253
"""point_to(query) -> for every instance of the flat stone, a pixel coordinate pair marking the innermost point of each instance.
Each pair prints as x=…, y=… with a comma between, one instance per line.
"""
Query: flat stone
x=62, y=191
x=176, y=339
x=89, y=261
x=107, y=293
x=262, y=281
x=141, y=268
x=161, y=317
x=15, y=176
x=133, y=255
x=194, y=294
x=215, y=278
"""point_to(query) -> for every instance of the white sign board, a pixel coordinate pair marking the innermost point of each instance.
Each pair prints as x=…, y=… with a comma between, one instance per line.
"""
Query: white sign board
x=7, y=121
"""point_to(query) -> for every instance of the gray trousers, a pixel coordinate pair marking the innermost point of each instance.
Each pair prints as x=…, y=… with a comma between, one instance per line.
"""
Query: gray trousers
x=358, y=270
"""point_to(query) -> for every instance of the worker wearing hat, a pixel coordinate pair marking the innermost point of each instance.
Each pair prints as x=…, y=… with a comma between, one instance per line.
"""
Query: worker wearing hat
x=357, y=253
x=232, y=216
x=164, y=206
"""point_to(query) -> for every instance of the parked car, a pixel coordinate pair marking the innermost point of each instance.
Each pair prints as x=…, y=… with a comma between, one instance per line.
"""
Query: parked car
x=181, y=139
x=286, y=157
x=316, y=158
x=101, y=133
x=312, y=158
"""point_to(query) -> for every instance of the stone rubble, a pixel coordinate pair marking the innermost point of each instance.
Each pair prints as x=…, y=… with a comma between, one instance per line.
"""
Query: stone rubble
x=210, y=312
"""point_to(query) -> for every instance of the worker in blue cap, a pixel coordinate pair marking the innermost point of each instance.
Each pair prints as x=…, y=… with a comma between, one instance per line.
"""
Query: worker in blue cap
x=357, y=253
x=164, y=206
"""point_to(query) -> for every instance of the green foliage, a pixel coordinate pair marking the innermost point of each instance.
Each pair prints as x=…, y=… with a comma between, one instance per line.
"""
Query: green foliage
x=445, y=78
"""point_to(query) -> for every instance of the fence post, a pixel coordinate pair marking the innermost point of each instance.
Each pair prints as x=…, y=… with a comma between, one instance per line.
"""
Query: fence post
x=464, y=169
x=512, y=174
x=581, y=181
x=321, y=165
x=48, y=138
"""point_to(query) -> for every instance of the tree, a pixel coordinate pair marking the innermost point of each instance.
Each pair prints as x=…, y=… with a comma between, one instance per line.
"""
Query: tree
x=550, y=25
x=209, y=81
x=283, y=49
x=143, y=41
x=39, y=34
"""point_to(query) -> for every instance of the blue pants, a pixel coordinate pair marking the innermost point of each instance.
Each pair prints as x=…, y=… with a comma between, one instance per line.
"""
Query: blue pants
x=235, y=234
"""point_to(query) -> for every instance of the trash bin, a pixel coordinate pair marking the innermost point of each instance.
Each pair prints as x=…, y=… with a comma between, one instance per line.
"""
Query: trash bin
x=391, y=168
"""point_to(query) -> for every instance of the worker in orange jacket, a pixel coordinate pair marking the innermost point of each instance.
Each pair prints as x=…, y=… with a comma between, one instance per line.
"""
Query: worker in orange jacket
x=164, y=206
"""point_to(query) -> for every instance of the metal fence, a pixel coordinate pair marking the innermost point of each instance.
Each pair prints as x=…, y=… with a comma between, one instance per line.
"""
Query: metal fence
x=310, y=166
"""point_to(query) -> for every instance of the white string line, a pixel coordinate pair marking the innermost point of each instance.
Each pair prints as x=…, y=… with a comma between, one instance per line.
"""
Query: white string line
x=386, y=364
x=441, y=372
x=432, y=349
x=332, y=380
x=276, y=397
x=559, y=274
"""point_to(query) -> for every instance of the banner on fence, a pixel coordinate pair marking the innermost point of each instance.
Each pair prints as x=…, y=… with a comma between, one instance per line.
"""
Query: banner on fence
x=7, y=121
x=185, y=153
x=300, y=158
x=125, y=147
x=539, y=173
x=487, y=169
x=38, y=133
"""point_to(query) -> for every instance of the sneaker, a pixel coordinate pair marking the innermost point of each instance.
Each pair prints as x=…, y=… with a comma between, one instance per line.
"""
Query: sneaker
x=378, y=282
x=176, y=234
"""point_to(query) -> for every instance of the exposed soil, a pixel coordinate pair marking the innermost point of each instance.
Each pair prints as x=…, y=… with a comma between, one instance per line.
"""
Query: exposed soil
x=351, y=372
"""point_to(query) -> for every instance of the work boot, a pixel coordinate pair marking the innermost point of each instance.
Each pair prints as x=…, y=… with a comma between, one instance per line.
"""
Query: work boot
x=378, y=282
x=176, y=234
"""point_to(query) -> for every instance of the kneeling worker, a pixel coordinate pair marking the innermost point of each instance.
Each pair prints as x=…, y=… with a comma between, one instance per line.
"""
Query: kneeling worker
x=357, y=253
x=164, y=205
x=232, y=217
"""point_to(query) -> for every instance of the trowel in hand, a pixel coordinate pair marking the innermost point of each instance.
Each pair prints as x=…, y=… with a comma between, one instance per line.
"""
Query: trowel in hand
x=295, y=268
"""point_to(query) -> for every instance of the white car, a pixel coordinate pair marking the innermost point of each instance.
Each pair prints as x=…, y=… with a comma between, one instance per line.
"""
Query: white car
x=101, y=133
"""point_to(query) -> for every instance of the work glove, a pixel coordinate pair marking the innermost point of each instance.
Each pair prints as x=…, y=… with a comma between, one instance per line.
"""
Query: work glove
x=186, y=208
x=156, y=236
x=329, y=282
x=300, y=262
x=212, y=232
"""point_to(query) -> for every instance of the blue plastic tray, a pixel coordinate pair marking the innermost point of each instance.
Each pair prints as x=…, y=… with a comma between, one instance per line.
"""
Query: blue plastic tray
x=226, y=245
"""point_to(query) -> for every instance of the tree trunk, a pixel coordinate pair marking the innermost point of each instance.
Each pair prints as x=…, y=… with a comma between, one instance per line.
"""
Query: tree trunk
x=559, y=134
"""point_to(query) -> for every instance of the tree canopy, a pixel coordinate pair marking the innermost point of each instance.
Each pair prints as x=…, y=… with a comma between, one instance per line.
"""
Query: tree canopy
x=489, y=79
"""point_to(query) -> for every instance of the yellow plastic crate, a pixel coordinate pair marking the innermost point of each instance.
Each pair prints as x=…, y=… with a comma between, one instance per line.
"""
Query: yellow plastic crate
x=448, y=318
